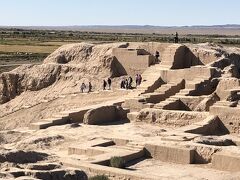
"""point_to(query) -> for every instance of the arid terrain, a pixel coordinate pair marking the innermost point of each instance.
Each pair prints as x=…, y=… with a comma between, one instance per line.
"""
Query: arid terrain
x=227, y=30
x=181, y=122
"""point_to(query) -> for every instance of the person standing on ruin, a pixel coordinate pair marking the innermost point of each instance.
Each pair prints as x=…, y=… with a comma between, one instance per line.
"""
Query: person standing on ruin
x=104, y=84
x=157, y=55
x=123, y=84
x=83, y=87
x=109, y=83
x=89, y=87
x=176, y=38
x=130, y=80
x=137, y=80
x=126, y=84
x=140, y=80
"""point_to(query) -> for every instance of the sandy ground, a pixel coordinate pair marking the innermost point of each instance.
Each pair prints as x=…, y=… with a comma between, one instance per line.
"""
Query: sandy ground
x=177, y=171
x=55, y=141
x=23, y=116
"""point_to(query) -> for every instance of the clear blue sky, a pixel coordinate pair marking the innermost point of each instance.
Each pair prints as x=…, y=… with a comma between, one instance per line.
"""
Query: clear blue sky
x=119, y=12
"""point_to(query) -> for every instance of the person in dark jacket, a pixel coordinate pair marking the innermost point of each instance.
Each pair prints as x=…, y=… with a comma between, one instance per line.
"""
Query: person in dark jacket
x=109, y=83
x=137, y=80
x=104, y=84
x=130, y=81
x=89, y=87
x=126, y=84
x=140, y=79
x=123, y=84
x=83, y=87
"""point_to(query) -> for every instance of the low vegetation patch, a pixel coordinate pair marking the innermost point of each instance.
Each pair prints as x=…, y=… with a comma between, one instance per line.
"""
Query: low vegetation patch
x=117, y=162
x=99, y=177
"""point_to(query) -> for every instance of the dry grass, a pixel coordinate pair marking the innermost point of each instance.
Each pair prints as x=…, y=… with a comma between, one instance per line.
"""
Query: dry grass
x=27, y=48
x=56, y=43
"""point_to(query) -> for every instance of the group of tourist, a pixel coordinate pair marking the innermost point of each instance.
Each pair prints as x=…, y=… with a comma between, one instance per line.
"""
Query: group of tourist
x=138, y=79
x=106, y=83
x=84, y=87
x=126, y=83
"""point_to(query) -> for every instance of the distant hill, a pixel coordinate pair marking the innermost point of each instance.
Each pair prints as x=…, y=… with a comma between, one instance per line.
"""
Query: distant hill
x=228, y=29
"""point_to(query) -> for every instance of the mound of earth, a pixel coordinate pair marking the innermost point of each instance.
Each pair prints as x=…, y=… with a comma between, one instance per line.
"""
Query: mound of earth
x=11, y=137
x=216, y=141
x=45, y=175
x=40, y=142
x=63, y=70
x=22, y=157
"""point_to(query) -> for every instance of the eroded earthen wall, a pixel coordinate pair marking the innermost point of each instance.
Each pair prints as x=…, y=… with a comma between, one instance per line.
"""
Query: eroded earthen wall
x=133, y=61
x=178, y=56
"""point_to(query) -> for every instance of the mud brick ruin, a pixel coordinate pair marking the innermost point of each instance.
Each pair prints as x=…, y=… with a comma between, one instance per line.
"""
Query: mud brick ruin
x=190, y=96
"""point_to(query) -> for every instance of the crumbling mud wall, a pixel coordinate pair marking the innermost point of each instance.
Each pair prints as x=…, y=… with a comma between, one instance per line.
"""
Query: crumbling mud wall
x=133, y=61
x=170, y=118
x=179, y=56
x=68, y=65
x=104, y=114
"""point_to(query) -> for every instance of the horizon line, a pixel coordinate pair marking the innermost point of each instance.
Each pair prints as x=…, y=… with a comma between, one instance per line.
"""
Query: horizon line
x=97, y=25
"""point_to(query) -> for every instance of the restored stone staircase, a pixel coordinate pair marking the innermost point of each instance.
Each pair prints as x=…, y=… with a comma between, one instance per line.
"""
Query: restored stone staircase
x=226, y=103
x=164, y=91
x=151, y=79
x=185, y=92
x=46, y=123
x=168, y=104
x=149, y=99
x=192, y=86
x=172, y=103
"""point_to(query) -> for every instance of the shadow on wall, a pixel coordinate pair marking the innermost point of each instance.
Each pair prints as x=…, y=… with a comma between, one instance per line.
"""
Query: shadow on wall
x=206, y=88
x=184, y=58
x=117, y=68
x=214, y=128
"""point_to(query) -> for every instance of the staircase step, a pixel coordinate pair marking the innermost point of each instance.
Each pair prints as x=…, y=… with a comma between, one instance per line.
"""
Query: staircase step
x=60, y=116
x=40, y=125
x=166, y=102
x=148, y=105
x=185, y=92
x=223, y=103
x=45, y=123
x=60, y=121
x=64, y=113
x=172, y=99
